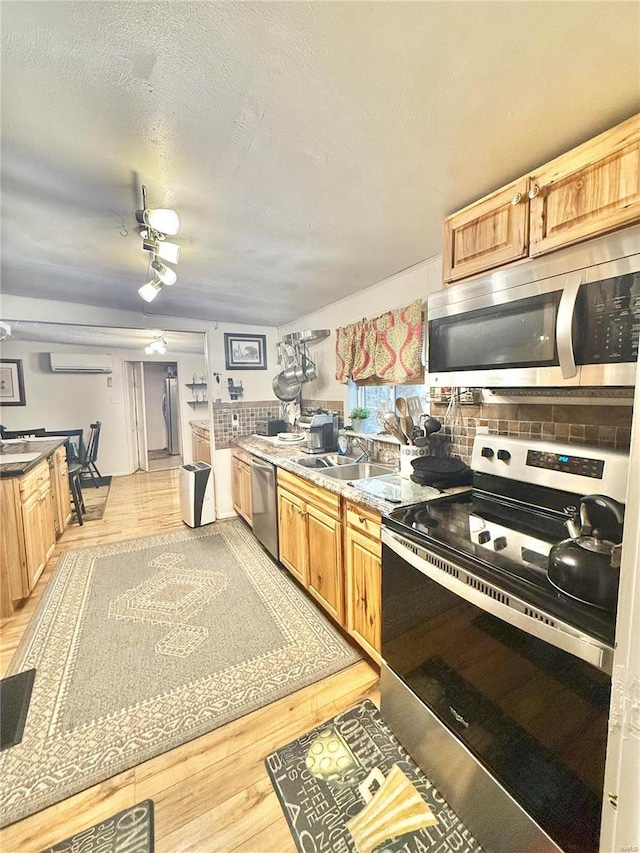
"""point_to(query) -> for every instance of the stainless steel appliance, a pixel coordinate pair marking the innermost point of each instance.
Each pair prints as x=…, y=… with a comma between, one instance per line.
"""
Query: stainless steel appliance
x=264, y=504
x=495, y=682
x=171, y=412
x=566, y=319
x=321, y=428
x=270, y=427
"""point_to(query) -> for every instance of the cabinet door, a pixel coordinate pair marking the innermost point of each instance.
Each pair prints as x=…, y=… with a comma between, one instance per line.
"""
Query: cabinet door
x=245, y=492
x=62, y=494
x=325, y=575
x=292, y=530
x=47, y=522
x=593, y=189
x=363, y=591
x=236, y=497
x=34, y=539
x=488, y=233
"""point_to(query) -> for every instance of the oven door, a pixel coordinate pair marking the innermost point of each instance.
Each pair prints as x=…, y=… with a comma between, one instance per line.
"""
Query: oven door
x=512, y=337
x=529, y=712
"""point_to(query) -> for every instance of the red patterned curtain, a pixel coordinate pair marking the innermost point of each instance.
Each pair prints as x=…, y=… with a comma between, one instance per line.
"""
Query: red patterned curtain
x=388, y=348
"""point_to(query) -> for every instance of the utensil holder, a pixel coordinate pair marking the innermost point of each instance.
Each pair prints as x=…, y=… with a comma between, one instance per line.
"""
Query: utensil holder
x=407, y=453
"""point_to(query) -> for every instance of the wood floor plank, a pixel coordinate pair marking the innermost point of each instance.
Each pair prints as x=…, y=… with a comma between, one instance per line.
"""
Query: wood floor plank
x=69, y=816
x=274, y=838
x=211, y=794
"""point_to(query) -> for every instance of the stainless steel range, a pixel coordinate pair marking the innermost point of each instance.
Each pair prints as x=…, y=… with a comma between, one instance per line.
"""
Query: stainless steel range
x=497, y=682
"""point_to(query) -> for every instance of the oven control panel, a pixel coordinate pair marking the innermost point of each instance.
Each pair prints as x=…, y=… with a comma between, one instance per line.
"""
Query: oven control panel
x=581, y=465
x=581, y=469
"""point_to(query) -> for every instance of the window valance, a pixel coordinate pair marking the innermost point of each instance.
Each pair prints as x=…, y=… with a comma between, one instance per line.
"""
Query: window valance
x=388, y=348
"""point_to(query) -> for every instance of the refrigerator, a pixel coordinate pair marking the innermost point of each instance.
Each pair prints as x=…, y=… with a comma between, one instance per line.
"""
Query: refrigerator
x=171, y=412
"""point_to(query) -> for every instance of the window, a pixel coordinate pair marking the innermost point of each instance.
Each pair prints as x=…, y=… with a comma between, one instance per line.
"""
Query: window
x=372, y=397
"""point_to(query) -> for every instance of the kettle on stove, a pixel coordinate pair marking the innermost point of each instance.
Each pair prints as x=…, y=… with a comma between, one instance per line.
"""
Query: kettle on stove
x=585, y=566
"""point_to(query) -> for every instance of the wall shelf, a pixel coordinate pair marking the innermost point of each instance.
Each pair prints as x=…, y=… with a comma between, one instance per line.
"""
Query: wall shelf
x=196, y=384
x=194, y=403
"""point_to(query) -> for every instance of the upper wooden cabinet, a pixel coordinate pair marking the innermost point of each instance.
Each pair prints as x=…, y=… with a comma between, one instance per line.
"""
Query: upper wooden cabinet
x=488, y=233
x=592, y=189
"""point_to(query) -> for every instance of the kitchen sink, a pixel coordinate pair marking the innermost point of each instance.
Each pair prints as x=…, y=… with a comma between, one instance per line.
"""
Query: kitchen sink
x=357, y=471
x=326, y=460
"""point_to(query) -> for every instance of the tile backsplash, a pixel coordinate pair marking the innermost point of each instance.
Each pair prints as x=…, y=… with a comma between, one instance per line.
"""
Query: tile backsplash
x=239, y=418
x=603, y=426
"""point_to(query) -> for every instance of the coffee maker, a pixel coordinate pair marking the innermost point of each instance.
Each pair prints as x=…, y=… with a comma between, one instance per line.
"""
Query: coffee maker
x=321, y=428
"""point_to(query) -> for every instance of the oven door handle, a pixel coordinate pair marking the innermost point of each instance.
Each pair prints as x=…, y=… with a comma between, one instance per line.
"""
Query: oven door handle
x=499, y=603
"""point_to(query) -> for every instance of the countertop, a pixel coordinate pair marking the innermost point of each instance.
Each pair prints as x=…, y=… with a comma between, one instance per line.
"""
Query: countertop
x=282, y=456
x=202, y=424
x=43, y=447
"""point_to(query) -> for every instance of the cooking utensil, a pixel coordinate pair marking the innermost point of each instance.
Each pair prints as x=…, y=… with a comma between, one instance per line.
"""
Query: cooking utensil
x=431, y=425
x=401, y=406
x=406, y=426
x=585, y=566
x=285, y=389
x=414, y=407
x=392, y=426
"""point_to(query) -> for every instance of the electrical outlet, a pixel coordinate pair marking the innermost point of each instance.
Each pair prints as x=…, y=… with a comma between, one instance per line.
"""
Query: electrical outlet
x=109, y=381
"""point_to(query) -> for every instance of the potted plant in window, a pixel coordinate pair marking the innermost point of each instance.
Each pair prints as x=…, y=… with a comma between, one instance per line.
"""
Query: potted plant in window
x=358, y=417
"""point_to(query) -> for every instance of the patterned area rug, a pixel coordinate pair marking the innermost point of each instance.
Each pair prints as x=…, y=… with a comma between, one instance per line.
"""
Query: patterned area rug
x=349, y=785
x=128, y=831
x=142, y=645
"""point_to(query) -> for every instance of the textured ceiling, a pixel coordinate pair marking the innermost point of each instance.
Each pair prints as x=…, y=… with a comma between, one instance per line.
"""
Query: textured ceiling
x=311, y=149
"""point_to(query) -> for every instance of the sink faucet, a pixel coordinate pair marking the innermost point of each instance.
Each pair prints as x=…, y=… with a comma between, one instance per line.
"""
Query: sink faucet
x=365, y=449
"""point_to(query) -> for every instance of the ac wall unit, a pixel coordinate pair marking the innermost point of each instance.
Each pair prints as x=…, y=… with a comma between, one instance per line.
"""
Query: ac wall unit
x=69, y=362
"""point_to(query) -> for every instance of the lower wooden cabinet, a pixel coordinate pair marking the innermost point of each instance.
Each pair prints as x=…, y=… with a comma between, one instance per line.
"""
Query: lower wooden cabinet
x=27, y=532
x=363, y=590
x=292, y=535
x=241, y=484
x=310, y=533
x=201, y=445
x=325, y=572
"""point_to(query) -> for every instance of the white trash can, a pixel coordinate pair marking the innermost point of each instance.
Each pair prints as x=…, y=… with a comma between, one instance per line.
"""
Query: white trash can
x=196, y=494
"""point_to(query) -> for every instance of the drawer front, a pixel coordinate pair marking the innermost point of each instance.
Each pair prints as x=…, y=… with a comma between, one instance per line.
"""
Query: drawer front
x=321, y=498
x=241, y=455
x=34, y=480
x=364, y=520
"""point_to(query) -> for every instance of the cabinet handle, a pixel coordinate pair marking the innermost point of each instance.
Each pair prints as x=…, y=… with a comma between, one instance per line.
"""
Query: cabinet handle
x=362, y=519
x=516, y=199
x=534, y=191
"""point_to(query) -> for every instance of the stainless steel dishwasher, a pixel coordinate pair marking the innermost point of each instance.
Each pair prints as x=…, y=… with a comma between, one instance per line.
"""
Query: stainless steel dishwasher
x=264, y=504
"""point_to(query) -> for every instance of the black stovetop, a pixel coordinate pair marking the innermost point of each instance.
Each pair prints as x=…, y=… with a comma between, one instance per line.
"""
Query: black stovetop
x=504, y=542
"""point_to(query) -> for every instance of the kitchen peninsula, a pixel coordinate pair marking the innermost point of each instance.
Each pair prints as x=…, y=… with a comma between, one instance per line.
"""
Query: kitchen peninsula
x=36, y=508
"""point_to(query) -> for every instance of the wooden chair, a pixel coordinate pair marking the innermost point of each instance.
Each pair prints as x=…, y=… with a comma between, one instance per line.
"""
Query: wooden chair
x=21, y=433
x=88, y=462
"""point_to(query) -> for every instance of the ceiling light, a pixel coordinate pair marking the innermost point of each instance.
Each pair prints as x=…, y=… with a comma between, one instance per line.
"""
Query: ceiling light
x=169, y=252
x=162, y=219
x=150, y=290
x=158, y=345
x=166, y=275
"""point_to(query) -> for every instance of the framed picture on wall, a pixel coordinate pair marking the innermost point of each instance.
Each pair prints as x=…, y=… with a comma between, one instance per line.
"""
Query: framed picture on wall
x=245, y=352
x=11, y=382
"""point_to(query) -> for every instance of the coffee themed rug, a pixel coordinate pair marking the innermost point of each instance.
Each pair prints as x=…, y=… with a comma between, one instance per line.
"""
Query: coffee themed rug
x=349, y=785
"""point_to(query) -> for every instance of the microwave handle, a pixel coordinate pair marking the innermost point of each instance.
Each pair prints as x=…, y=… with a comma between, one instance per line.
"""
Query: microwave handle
x=564, y=325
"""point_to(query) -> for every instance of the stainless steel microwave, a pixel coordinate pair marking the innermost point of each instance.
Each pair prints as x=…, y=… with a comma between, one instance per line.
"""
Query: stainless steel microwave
x=567, y=319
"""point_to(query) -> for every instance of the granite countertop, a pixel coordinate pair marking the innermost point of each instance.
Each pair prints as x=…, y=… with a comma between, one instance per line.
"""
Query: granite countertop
x=41, y=447
x=282, y=456
x=202, y=424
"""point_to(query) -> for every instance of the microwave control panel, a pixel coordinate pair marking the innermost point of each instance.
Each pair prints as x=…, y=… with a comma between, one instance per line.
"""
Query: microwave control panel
x=609, y=312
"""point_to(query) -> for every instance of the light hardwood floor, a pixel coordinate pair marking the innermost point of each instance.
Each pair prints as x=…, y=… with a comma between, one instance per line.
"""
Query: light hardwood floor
x=211, y=795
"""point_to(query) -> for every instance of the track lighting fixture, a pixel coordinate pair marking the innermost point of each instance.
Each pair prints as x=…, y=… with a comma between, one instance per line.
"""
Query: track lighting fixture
x=158, y=345
x=155, y=224
x=150, y=290
x=166, y=275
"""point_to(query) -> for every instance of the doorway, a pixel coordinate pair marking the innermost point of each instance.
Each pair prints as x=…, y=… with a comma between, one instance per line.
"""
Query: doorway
x=154, y=415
